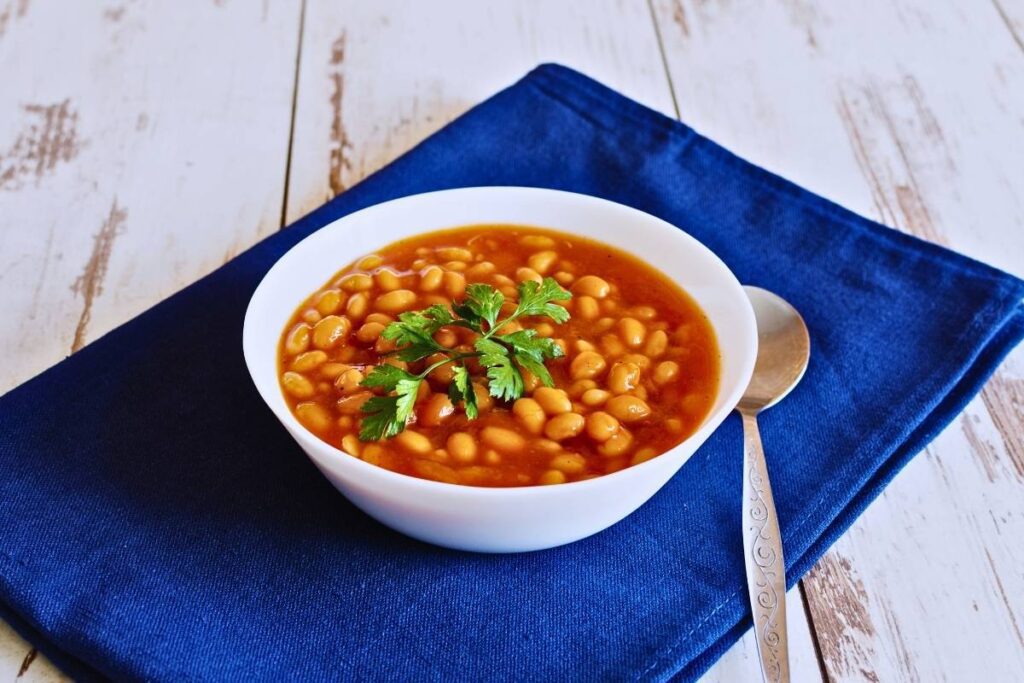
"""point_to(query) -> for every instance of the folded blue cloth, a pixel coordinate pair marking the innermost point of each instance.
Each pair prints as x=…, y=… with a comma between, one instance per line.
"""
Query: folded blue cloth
x=157, y=523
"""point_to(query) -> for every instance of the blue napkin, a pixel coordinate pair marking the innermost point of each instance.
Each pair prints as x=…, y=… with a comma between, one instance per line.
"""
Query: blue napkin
x=157, y=523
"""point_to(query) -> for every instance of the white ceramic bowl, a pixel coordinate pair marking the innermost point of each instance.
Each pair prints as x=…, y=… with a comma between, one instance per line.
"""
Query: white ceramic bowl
x=499, y=519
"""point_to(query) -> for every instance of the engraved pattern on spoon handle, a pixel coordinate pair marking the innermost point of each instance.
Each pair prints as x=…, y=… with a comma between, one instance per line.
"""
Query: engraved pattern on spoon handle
x=766, y=568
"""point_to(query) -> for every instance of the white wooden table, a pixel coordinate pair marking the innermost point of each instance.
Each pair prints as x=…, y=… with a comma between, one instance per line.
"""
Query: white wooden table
x=143, y=143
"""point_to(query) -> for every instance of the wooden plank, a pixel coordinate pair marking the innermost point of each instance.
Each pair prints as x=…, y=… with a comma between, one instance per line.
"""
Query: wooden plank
x=1011, y=13
x=137, y=153
x=908, y=113
x=19, y=662
x=376, y=79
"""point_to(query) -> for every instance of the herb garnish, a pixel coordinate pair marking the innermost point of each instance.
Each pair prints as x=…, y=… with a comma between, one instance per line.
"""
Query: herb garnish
x=504, y=356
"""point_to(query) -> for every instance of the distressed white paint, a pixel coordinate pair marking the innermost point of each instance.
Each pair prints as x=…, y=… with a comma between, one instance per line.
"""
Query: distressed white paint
x=185, y=141
x=409, y=68
x=13, y=651
x=908, y=113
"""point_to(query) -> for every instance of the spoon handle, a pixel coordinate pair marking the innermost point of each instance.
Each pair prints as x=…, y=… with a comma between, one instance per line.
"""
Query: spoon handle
x=766, y=568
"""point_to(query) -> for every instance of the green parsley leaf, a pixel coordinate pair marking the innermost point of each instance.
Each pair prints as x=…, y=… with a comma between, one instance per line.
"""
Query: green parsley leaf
x=535, y=299
x=461, y=389
x=419, y=327
x=530, y=352
x=504, y=357
x=380, y=420
x=536, y=367
x=527, y=341
x=491, y=352
x=386, y=416
x=416, y=351
x=506, y=380
x=386, y=377
x=407, y=390
x=485, y=301
x=469, y=317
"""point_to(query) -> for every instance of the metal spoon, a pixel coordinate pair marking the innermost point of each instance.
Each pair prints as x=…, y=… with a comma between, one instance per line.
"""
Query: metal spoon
x=784, y=348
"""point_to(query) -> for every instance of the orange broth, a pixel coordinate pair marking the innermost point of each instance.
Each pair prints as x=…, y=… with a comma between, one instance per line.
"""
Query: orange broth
x=639, y=375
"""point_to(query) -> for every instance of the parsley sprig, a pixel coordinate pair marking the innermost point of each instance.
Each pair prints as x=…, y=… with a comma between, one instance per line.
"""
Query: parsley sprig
x=504, y=357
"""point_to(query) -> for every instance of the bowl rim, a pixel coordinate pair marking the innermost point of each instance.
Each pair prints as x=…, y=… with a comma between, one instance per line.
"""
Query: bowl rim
x=364, y=470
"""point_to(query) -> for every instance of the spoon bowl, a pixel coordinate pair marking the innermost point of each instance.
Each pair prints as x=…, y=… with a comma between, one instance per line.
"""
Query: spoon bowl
x=784, y=348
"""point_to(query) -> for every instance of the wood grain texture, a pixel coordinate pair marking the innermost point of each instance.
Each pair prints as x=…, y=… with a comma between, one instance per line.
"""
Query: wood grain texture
x=1011, y=12
x=20, y=663
x=137, y=153
x=376, y=78
x=908, y=113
